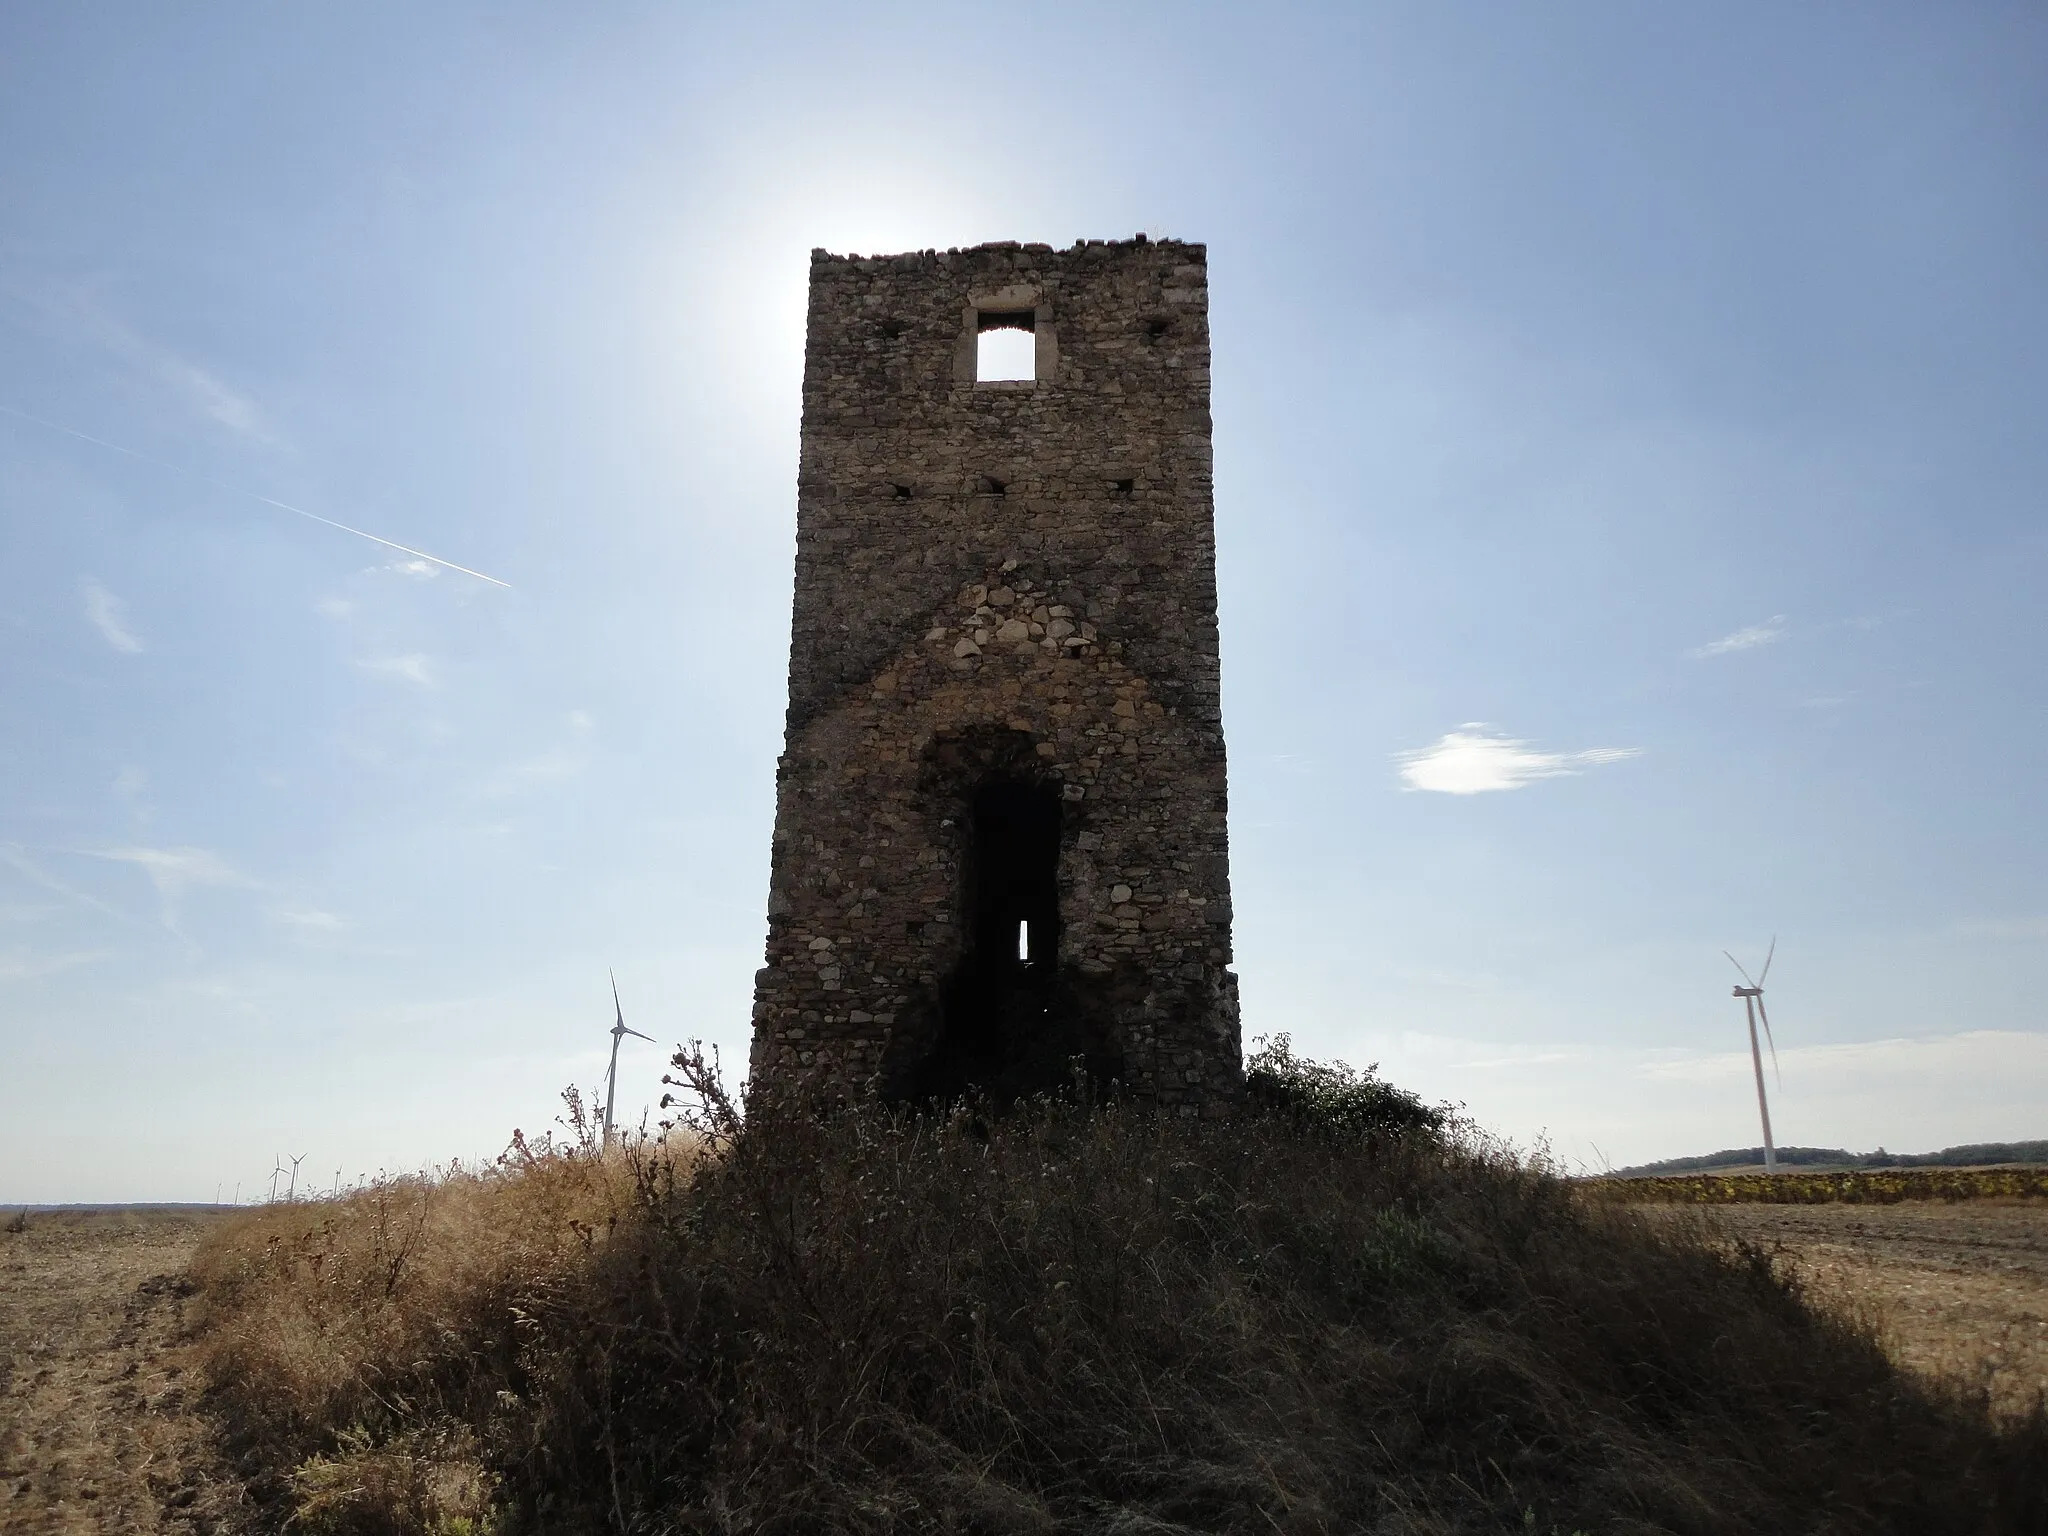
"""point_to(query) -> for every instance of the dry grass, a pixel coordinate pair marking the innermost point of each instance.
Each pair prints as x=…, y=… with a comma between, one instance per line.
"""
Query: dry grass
x=1064, y=1320
x=356, y=1344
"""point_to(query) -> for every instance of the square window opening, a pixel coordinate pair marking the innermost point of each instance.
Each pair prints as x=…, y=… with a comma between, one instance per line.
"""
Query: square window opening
x=1005, y=348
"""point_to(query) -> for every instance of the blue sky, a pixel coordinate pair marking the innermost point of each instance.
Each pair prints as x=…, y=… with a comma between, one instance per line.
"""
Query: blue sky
x=1629, y=500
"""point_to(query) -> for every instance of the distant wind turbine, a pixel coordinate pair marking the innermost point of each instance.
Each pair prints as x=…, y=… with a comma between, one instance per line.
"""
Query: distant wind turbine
x=1753, y=1003
x=278, y=1171
x=611, y=1081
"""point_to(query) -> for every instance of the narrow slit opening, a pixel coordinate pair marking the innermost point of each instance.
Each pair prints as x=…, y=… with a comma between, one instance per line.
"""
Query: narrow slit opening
x=997, y=1030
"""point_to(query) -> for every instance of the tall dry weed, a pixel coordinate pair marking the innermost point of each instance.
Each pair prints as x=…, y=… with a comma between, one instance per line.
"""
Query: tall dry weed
x=357, y=1343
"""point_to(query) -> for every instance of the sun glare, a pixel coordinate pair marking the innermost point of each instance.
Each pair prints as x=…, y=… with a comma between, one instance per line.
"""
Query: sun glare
x=1005, y=355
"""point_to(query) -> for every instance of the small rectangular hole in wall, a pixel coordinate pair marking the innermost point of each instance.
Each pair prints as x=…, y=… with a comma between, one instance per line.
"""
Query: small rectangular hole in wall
x=1005, y=348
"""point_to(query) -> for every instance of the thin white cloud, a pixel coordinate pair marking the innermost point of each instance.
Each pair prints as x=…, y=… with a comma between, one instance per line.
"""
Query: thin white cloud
x=1869, y=621
x=131, y=784
x=29, y=911
x=334, y=608
x=104, y=612
x=2023, y=927
x=14, y=857
x=22, y=966
x=555, y=765
x=176, y=871
x=1772, y=629
x=538, y=771
x=311, y=919
x=1474, y=759
x=415, y=669
x=200, y=390
x=1903, y=1054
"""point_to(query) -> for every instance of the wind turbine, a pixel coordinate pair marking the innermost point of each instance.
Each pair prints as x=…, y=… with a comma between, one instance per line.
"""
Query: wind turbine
x=1753, y=1003
x=611, y=1081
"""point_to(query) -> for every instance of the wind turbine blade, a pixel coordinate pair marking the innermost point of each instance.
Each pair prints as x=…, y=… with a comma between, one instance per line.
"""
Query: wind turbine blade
x=1760, y=975
x=1738, y=967
x=621, y=1012
x=1770, y=1037
x=638, y=1036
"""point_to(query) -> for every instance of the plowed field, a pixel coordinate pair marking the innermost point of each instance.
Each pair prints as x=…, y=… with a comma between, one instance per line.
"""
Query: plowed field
x=96, y=1428
x=1959, y=1288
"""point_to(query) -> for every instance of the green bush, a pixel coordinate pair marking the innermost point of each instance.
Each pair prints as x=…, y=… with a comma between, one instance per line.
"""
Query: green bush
x=1332, y=1097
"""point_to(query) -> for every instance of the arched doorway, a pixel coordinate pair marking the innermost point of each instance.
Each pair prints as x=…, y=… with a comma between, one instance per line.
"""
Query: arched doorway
x=1009, y=1025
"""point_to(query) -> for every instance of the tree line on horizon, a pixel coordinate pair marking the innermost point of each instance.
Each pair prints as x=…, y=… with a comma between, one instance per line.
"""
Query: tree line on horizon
x=1974, y=1155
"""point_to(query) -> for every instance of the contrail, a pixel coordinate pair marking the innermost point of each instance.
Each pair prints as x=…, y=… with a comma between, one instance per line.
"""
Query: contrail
x=282, y=506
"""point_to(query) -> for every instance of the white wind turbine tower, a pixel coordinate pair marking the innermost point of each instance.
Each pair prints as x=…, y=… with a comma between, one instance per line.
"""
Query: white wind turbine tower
x=1753, y=1003
x=611, y=1080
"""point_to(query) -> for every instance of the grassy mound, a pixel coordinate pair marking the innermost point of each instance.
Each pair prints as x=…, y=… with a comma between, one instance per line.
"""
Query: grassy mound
x=1337, y=1313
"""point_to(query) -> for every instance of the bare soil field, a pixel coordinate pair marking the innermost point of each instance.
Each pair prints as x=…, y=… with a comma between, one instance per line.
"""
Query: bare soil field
x=1960, y=1289
x=98, y=1431
x=96, y=1428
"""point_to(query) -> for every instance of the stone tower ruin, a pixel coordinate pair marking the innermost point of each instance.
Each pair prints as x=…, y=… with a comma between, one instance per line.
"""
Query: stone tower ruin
x=1000, y=841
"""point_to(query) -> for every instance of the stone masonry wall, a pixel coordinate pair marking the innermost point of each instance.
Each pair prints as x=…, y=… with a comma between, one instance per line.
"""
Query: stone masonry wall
x=1007, y=582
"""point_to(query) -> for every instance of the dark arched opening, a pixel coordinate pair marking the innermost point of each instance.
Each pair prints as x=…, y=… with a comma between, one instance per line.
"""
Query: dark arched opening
x=1004, y=1020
